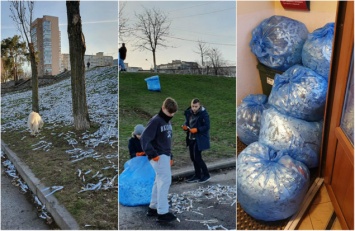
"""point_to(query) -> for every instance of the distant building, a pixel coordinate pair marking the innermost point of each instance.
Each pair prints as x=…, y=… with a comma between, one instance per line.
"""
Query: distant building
x=98, y=60
x=132, y=69
x=45, y=36
x=179, y=65
x=65, y=62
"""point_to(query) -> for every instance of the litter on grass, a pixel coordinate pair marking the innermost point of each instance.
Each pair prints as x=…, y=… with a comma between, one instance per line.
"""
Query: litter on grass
x=17, y=181
x=53, y=189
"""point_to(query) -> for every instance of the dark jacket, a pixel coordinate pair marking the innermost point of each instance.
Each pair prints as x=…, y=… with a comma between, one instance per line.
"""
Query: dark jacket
x=156, y=137
x=123, y=52
x=203, y=128
x=134, y=146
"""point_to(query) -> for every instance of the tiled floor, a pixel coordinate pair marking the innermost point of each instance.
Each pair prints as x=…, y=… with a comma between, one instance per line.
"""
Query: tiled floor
x=319, y=213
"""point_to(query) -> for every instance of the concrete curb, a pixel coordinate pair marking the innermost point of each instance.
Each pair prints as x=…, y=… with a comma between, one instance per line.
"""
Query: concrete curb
x=60, y=215
x=189, y=171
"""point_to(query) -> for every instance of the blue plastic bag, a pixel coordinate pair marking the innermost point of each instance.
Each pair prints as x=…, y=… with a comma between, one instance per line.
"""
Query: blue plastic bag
x=300, y=138
x=270, y=185
x=317, y=50
x=277, y=42
x=136, y=182
x=248, y=117
x=299, y=92
x=153, y=83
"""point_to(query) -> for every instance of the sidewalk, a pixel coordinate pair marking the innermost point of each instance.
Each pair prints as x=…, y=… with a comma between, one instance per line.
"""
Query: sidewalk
x=17, y=213
x=60, y=215
x=189, y=170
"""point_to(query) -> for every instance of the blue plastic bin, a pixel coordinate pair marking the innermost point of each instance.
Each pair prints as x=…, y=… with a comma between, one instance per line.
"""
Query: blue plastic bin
x=153, y=83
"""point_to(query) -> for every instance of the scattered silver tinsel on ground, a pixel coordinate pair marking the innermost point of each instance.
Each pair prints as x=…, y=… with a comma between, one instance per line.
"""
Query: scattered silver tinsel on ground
x=224, y=194
x=56, y=111
x=56, y=105
x=10, y=170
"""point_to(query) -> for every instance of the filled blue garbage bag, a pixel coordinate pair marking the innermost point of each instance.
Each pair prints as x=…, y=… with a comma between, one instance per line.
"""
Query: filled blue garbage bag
x=317, y=50
x=277, y=42
x=299, y=92
x=248, y=117
x=300, y=138
x=136, y=182
x=153, y=83
x=270, y=185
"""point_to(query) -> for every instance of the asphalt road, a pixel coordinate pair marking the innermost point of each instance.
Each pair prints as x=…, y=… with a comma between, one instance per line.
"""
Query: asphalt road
x=206, y=209
x=17, y=213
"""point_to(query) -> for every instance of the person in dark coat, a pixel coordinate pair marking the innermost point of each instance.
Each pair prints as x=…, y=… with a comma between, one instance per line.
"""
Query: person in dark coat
x=123, y=54
x=197, y=126
x=134, y=144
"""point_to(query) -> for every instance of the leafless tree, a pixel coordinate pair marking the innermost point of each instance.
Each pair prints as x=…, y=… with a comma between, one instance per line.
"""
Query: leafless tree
x=215, y=59
x=151, y=31
x=77, y=50
x=22, y=13
x=202, y=50
x=122, y=20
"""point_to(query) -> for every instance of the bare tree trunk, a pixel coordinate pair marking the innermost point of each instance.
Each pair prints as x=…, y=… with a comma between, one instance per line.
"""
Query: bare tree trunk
x=77, y=50
x=154, y=61
x=14, y=72
x=34, y=79
x=22, y=12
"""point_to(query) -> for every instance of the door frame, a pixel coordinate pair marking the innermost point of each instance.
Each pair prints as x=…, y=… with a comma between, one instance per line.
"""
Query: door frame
x=341, y=58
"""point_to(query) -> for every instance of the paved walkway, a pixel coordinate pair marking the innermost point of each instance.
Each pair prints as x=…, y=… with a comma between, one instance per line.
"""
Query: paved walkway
x=219, y=164
x=17, y=213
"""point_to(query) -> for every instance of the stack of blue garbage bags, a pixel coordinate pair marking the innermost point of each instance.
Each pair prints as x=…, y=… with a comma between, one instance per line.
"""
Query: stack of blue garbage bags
x=273, y=172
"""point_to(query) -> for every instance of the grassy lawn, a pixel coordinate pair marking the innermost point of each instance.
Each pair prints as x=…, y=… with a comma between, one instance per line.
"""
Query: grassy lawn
x=53, y=168
x=49, y=156
x=217, y=95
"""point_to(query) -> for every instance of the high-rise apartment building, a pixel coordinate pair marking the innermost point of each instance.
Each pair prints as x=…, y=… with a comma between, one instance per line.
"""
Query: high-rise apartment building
x=45, y=36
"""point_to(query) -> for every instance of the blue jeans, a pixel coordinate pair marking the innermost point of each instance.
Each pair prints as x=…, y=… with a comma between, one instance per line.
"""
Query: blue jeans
x=121, y=64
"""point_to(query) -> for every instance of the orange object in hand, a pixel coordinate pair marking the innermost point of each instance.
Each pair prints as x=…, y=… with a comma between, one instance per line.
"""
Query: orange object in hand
x=184, y=127
x=193, y=130
x=171, y=162
x=140, y=153
x=156, y=158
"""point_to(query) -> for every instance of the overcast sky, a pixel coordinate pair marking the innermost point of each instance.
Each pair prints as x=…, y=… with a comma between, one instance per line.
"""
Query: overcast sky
x=99, y=19
x=214, y=22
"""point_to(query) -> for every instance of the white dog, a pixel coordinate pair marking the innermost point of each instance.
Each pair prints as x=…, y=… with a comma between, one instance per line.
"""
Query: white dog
x=34, y=122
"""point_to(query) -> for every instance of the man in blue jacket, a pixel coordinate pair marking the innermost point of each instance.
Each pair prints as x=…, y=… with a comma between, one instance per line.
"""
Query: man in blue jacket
x=156, y=143
x=197, y=125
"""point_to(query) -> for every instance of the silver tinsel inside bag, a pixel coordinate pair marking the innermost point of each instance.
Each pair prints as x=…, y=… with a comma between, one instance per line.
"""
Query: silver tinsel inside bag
x=300, y=138
x=277, y=42
x=270, y=185
x=136, y=182
x=299, y=92
x=317, y=50
x=248, y=117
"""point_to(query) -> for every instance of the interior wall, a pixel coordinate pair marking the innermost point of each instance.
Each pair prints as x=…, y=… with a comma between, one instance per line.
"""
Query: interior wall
x=249, y=15
x=320, y=14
